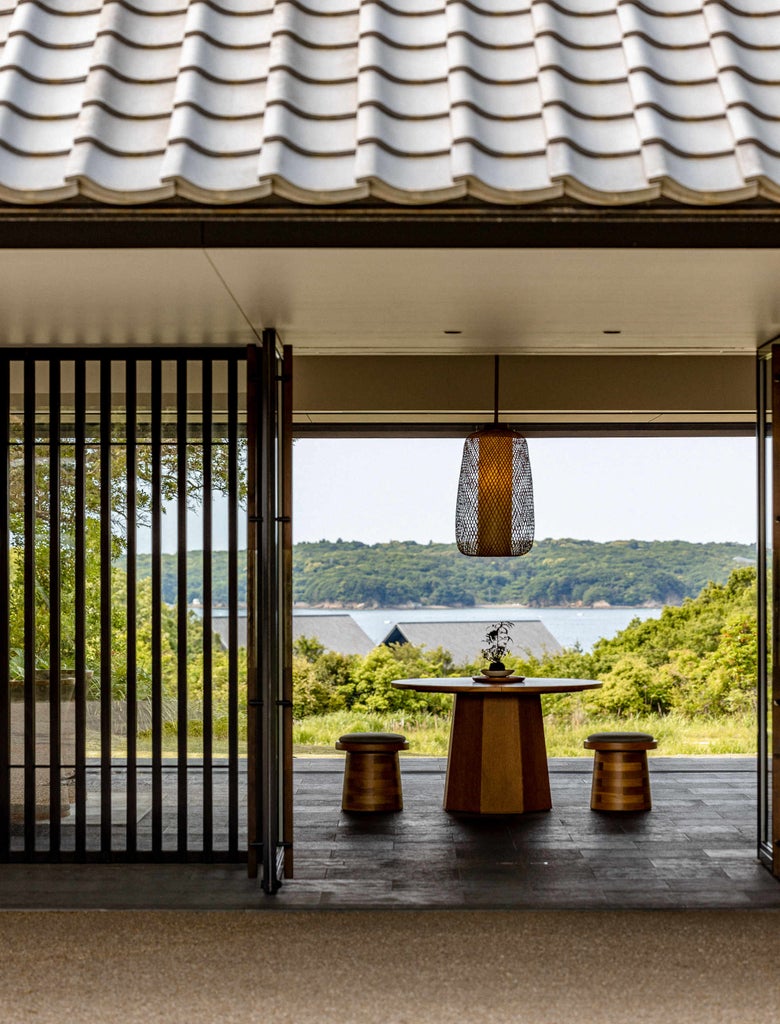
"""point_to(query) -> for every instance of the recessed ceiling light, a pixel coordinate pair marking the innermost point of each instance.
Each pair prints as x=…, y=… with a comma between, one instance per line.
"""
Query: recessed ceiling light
x=611, y=332
x=453, y=332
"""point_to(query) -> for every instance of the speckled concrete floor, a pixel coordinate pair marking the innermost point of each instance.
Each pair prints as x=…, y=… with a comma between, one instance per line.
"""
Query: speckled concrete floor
x=397, y=967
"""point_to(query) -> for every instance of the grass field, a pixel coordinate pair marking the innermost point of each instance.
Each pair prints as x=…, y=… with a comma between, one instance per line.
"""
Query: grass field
x=428, y=735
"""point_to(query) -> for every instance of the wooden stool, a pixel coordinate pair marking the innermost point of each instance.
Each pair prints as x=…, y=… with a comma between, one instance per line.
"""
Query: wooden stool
x=372, y=774
x=621, y=781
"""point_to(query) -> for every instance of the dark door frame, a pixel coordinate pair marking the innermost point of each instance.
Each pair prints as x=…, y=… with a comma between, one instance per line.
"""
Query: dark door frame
x=269, y=593
x=768, y=697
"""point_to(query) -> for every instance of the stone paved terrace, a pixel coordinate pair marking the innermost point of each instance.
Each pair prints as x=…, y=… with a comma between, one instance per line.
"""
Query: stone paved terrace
x=695, y=849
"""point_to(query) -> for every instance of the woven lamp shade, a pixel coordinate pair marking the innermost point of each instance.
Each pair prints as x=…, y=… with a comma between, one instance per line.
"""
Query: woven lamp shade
x=495, y=510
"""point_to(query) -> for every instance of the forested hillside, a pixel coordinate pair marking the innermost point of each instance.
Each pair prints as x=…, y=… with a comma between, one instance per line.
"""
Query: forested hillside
x=556, y=573
x=195, y=576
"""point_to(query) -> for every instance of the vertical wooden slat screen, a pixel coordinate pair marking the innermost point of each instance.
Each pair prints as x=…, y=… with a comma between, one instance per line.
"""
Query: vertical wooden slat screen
x=208, y=600
x=55, y=684
x=30, y=499
x=80, y=599
x=182, y=711
x=105, y=604
x=131, y=429
x=156, y=517
x=97, y=446
x=233, y=731
x=5, y=671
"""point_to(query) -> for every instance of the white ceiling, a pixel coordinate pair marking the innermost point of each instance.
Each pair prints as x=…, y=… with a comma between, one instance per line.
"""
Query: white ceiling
x=392, y=301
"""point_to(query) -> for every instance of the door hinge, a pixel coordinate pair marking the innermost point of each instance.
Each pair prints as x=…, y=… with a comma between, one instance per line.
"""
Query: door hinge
x=284, y=703
x=254, y=703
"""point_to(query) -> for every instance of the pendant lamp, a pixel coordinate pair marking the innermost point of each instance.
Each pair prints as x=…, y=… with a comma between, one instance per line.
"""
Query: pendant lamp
x=495, y=509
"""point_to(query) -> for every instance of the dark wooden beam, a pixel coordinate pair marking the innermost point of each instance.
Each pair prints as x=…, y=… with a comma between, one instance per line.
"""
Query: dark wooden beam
x=456, y=225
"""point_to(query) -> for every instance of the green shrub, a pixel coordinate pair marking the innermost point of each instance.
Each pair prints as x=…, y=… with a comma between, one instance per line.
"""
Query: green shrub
x=374, y=674
x=633, y=687
x=312, y=694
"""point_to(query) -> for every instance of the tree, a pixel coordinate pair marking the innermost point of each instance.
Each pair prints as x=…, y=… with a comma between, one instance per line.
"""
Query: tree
x=91, y=511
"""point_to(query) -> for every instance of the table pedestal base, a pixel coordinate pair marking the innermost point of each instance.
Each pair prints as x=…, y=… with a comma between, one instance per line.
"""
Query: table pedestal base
x=498, y=759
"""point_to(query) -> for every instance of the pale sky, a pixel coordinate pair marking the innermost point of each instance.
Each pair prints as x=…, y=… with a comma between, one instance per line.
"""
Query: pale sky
x=698, y=489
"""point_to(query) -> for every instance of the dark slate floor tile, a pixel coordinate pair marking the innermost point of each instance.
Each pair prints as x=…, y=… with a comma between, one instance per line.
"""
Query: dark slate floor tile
x=648, y=886
x=631, y=860
x=762, y=897
x=696, y=848
x=714, y=901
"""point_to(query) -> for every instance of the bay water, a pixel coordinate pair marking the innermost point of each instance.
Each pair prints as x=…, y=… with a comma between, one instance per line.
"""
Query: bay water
x=569, y=626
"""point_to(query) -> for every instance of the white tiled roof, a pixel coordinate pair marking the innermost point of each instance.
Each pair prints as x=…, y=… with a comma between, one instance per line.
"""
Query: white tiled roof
x=410, y=101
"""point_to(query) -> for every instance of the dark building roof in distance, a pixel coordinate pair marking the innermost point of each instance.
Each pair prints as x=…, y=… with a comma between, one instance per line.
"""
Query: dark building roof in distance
x=339, y=633
x=606, y=102
x=465, y=640
x=220, y=626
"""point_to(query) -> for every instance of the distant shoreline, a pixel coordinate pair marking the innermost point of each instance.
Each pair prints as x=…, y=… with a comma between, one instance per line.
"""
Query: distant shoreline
x=569, y=626
x=598, y=606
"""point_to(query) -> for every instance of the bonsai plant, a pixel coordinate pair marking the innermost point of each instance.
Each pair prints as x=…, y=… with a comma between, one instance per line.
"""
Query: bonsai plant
x=497, y=642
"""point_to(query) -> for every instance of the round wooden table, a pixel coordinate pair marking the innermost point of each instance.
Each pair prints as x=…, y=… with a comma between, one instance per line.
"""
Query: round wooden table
x=497, y=761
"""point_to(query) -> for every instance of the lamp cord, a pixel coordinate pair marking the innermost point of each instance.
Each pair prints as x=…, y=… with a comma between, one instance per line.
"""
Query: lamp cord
x=495, y=390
